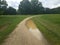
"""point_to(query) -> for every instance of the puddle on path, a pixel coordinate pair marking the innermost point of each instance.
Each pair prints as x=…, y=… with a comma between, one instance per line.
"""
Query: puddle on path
x=33, y=29
x=30, y=24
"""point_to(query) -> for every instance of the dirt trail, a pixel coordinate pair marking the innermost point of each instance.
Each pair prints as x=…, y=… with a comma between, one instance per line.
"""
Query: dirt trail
x=26, y=33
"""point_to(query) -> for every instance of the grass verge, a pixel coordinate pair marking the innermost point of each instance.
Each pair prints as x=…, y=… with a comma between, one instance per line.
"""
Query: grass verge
x=8, y=24
x=49, y=25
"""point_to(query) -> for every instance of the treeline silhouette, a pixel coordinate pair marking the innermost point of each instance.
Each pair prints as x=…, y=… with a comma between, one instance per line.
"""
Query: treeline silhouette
x=26, y=7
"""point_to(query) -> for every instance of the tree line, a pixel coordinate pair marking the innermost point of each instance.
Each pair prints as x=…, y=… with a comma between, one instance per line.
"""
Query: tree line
x=26, y=7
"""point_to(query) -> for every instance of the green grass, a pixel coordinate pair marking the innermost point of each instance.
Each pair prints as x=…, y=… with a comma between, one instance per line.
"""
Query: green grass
x=49, y=25
x=8, y=24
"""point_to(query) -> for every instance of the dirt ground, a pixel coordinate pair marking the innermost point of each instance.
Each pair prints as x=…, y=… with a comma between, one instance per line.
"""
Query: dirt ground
x=26, y=33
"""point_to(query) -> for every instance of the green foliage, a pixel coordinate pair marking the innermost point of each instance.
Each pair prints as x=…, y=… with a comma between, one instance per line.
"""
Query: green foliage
x=27, y=7
x=36, y=7
x=6, y=11
x=3, y=6
x=33, y=7
x=10, y=11
x=24, y=7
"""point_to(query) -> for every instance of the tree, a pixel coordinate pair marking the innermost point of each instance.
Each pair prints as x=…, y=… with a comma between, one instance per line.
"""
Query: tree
x=33, y=7
x=34, y=4
x=10, y=11
x=3, y=6
x=24, y=7
x=41, y=8
x=48, y=11
x=56, y=10
x=36, y=7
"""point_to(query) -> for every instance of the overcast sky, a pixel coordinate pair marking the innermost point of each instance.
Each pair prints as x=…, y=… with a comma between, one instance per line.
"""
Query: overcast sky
x=46, y=3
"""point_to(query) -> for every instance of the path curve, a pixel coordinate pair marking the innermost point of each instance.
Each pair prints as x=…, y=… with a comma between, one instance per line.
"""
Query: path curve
x=24, y=35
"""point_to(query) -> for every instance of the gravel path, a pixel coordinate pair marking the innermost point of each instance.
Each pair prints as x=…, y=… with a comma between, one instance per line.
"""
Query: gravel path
x=25, y=35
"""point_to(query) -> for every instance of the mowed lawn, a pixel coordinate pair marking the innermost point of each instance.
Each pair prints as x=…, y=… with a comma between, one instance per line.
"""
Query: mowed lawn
x=49, y=25
x=8, y=24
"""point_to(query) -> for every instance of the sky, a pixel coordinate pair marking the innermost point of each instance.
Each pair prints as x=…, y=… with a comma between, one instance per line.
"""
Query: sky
x=46, y=3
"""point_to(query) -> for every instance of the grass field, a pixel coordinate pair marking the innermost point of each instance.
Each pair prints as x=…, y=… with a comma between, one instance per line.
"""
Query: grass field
x=8, y=24
x=49, y=25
